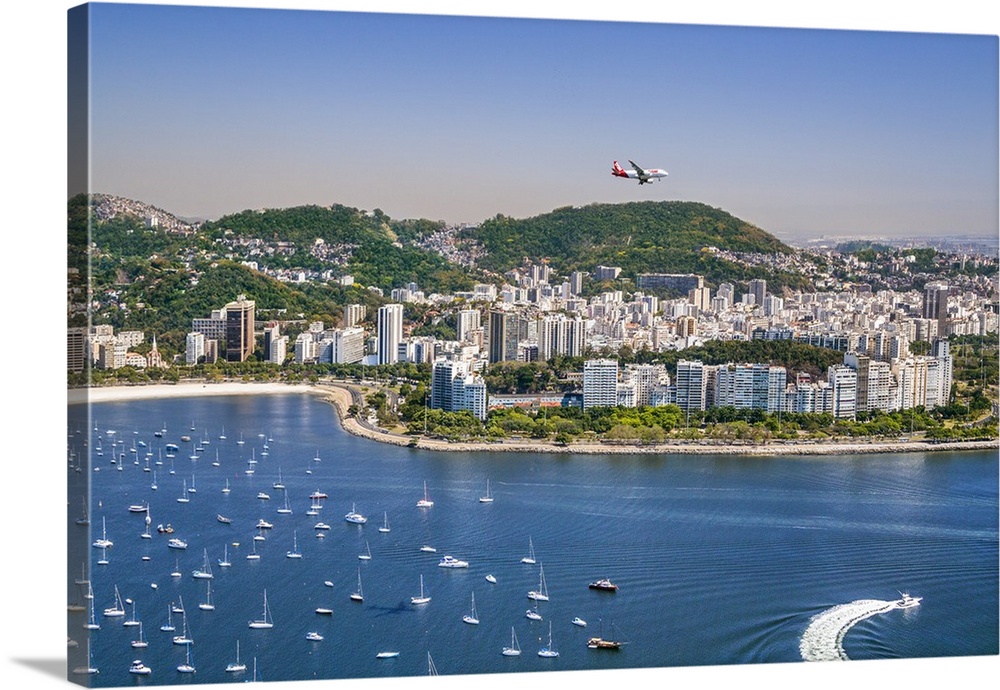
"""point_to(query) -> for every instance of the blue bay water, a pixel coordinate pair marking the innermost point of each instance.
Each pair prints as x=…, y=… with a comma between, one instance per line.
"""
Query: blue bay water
x=719, y=559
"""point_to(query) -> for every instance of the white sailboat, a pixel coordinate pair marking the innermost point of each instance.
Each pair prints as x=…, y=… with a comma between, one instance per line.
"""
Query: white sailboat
x=548, y=651
x=92, y=623
x=224, y=562
x=184, y=638
x=117, y=609
x=542, y=593
x=355, y=517
x=530, y=558
x=187, y=666
x=426, y=501
x=367, y=555
x=226, y=488
x=183, y=498
x=169, y=625
x=264, y=622
x=205, y=572
x=253, y=555
x=103, y=542
x=488, y=498
x=294, y=553
x=422, y=599
x=236, y=666
x=280, y=485
x=285, y=510
x=140, y=642
x=359, y=595
x=472, y=618
x=514, y=649
x=431, y=668
x=207, y=605
x=385, y=524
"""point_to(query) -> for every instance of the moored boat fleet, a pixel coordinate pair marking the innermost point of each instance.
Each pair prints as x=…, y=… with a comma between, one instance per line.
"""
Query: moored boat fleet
x=182, y=536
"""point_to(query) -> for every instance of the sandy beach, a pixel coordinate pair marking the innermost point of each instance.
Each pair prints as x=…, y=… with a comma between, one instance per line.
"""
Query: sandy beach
x=340, y=397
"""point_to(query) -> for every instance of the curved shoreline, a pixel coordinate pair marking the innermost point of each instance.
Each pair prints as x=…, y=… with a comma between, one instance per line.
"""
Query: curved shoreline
x=340, y=397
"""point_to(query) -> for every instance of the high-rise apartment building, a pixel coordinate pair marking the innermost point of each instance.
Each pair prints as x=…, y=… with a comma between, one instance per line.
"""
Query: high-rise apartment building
x=354, y=314
x=600, y=383
x=454, y=388
x=390, y=332
x=690, y=384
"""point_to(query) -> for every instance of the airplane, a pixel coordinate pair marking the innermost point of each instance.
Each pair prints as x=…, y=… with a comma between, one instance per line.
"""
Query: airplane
x=643, y=176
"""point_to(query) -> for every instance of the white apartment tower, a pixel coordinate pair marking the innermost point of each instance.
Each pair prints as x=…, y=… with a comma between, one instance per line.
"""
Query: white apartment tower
x=600, y=383
x=390, y=332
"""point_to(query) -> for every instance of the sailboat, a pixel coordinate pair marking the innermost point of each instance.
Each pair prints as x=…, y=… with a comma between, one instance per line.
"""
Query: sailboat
x=530, y=558
x=533, y=614
x=226, y=489
x=425, y=502
x=103, y=542
x=600, y=643
x=488, y=498
x=187, y=666
x=359, y=595
x=385, y=524
x=184, y=493
x=92, y=624
x=236, y=666
x=280, y=485
x=264, y=622
x=140, y=642
x=184, y=638
x=542, y=593
x=548, y=651
x=294, y=553
x=514, y=649
x=472, y=618
x=367, y=555
x=169, y=625
x=422, y=599
x=224, y=562
x=132, y=621
x=253, y=555
x=205, y=572
x=286, y=510
x=117, y=609
x=431, y=668
x=207, y=605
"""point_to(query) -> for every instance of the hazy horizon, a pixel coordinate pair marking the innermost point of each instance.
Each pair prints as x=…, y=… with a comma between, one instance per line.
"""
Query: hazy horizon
x=206, y=111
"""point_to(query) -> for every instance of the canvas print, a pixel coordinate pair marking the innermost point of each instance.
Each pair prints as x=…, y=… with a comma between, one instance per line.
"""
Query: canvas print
x=405, y=345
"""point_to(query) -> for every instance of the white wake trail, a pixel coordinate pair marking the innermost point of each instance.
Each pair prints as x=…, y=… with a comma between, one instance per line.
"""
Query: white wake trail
x=823, y=639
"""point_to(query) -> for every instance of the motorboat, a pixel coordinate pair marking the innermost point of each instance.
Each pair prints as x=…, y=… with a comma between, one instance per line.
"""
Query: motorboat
x=314, y=636
x=428, y=549
x=604, y=584
x=579, y=622
x=387, y=655
x=176, y=543
x=908, y=602
x=139, y=668
x=355, y=517
x=223, y=519
x=263, y=524
x=451, y=562
x=491, y=579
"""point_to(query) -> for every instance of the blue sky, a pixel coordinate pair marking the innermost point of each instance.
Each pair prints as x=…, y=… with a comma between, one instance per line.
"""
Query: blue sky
x=206, y=111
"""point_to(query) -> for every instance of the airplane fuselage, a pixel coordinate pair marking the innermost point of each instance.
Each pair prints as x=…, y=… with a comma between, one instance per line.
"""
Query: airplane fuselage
x=640, y=174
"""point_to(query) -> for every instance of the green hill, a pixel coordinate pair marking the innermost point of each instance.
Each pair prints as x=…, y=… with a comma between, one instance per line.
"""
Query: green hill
x=639, y=237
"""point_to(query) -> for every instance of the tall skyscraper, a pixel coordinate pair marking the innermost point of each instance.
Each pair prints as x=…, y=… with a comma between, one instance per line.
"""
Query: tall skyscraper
x=505, y=334
x=758, y=288
x=390, y=332
x=690, y=385
x=936, y=304
x=468, y=321
x=843, y=382
x=240, y=329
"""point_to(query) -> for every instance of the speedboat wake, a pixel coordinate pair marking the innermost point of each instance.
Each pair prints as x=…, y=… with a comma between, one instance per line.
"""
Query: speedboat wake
x=823, y=639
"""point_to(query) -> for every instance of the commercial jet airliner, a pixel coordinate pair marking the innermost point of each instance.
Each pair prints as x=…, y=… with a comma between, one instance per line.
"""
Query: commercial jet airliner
x=638, y=173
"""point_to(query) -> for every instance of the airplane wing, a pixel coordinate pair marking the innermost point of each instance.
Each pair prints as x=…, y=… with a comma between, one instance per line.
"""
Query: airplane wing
x=642, y=173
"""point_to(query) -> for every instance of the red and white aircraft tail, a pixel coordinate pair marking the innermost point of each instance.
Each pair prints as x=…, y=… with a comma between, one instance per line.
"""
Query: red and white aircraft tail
x=637, y=173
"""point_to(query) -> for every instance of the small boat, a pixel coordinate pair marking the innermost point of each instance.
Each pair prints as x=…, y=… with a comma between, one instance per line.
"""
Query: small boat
x=236, y=666
x=422, y=599
x=431, y=668
x=385, y=524
x=139, y=668
x=579, y=622
x=140, y=642
x=169, y=625
x=533, y=614
x=600, y=643
x=103, y=542
x=328, y=583
x=117, y=609
x=359, y=595
x=224, y=561
x=488, y=498
x=207, y=605
x=317, y=495
x=223, y=519
x=285, y=510
x=387, y=655
x=314, y=636
x=132, y=621
x=428, y=549
x=549, y=650
x=542, y=593
x=530, y=558
x=491, y=579
x=205, y=572
x=264, y=622
x=263, y=496
x=367, y=555
x=514, y=649
x=226, y=490
x=323, y=611
x=279, y=485
x=907, y=601
x=355, y=517
x=321, y=525
x=138, y=508
x=253, y=555
x=165, y=529
x=472, y=618
x=604, y=585
x=426, y=501
x=450, y=562
x=264, y=524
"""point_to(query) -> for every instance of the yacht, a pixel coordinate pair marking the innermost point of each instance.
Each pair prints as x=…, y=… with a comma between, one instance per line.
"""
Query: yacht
x=450, y=562
x=263, y=524
x=314, y=637
x=515, y=648
x=177, y=544
x=604, y=584
x=428, y=549
x=548, y=651
x=579, y=622
x=426, y=501
x=908, y=602
x=139, y=668
x=422, y=599
x=491, y=579
x=355, y=517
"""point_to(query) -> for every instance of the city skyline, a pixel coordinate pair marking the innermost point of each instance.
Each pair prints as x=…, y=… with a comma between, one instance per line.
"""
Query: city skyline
x=803, y=132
